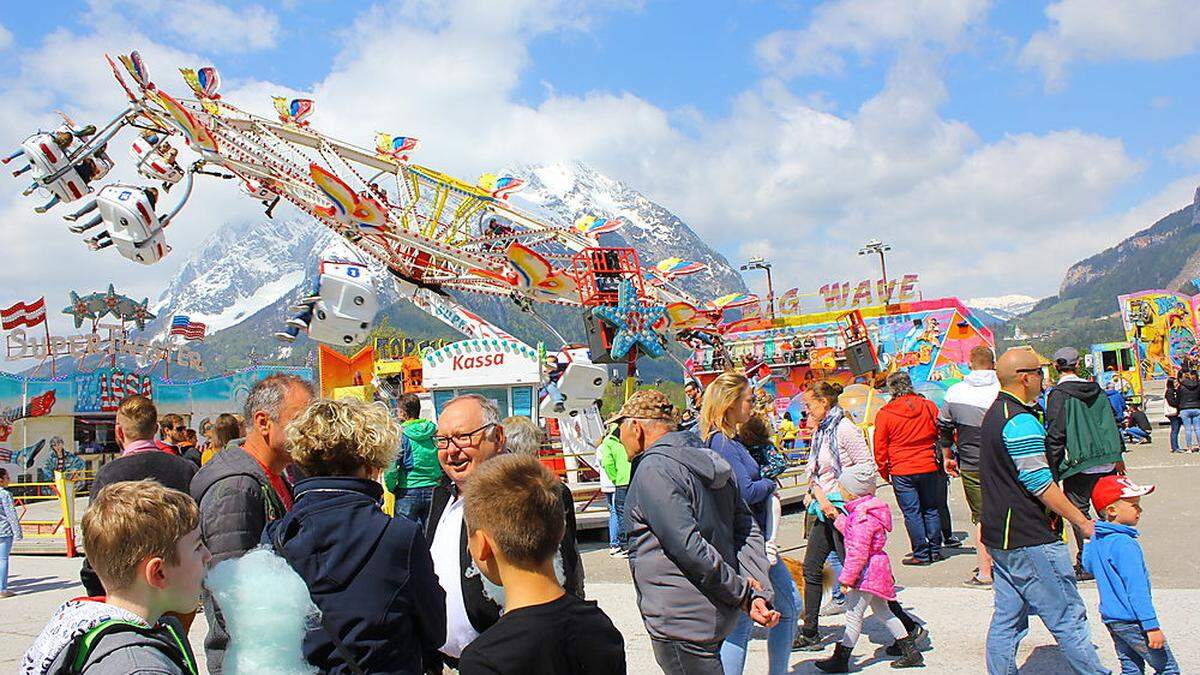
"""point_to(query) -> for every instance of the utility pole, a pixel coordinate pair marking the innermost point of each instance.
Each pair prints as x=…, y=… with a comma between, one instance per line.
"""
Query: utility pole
x=876, y=246
x=757, y=263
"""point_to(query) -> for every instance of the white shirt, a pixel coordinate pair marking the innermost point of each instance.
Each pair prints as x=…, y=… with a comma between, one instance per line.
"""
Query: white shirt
x=445, y=550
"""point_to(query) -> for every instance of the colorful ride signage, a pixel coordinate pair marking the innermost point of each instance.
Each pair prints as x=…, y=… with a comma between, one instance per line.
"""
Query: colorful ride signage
x=844, y=295
x=23, y=345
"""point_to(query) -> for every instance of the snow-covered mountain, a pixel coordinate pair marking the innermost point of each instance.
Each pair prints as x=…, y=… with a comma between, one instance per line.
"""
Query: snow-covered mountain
x=243, y=279
x=1004, y=307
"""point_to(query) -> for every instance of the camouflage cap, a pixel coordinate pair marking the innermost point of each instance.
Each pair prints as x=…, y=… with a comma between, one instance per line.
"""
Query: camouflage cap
x=646, y=404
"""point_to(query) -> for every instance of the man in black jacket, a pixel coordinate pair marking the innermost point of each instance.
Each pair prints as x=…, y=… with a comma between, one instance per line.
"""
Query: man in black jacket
x=137, y=422
x=241, y=488
x=469, y=433
x=1079, y=468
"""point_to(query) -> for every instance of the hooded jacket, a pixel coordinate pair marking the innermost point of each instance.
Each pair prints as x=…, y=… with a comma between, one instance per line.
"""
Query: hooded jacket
x=693, y=543
x=1188, y=392
x=865, y=527
x=905, y=434
x=1066, y=461
x=1115, y=558
x=417, y=463
x=236, y=503
x=962, y=414
x=114, y=654
x=753, y=488
x=370, y=575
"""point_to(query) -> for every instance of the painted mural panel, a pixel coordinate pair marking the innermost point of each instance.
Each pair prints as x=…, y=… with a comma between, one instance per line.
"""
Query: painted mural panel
x=1162, y=327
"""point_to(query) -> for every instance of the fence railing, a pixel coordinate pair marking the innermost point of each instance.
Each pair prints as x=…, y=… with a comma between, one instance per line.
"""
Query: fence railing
x=46, y=528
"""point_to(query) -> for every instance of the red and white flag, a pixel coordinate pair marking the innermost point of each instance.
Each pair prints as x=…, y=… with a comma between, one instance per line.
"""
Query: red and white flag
x=24, y=314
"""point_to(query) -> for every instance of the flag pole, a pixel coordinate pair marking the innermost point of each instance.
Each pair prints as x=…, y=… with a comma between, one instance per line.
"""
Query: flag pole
x=49, y=350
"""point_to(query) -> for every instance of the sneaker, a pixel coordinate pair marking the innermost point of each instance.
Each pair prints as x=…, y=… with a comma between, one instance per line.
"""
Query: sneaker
x=618, y=552
x=915, y=562
x=807, y=643
x=952, y=543
x=300, y=324
x=1082, y=575
x=285, y=337
x=6, y=594
x=976, y=582
x=833, y=608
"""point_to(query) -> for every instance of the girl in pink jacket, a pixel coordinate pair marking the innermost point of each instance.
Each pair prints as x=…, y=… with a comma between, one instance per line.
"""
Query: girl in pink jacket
x=867, y=571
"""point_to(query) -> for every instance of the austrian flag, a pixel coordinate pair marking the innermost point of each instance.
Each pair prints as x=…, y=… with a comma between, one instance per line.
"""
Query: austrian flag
x=190, y=330
x=24, y=314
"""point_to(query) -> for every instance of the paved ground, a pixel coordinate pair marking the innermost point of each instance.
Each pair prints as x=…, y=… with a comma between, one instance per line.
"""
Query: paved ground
x=957, y=617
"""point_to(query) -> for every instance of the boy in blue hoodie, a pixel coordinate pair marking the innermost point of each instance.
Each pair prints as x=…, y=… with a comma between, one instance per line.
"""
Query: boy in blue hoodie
x=1115, y=558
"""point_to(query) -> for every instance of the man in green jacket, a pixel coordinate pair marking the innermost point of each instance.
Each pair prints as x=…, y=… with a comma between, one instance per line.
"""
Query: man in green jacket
x=615, y=463
x=416, y=471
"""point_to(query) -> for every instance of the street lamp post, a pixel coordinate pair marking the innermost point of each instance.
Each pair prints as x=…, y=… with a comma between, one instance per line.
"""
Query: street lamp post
x=876, y=246
x=757, y=263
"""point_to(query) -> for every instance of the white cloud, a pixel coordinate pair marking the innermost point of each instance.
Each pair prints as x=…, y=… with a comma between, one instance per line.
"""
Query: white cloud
x=6, y=38
x=207, y=25
x=777, y=175
x=1109, y=30
x=865, y=28
x=1187, y=152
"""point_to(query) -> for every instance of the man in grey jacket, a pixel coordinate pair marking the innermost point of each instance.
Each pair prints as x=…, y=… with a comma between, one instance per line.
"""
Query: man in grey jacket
x=698, y=558
x=241, y=489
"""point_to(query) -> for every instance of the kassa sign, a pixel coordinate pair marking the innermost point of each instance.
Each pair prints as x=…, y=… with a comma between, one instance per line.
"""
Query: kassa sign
x=480, y=362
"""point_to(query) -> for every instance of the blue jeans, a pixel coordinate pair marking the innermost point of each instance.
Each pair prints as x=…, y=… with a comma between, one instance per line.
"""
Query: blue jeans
x=779, y=638
x=1135, y=652
x=1038, y=580
x=1137, y=433
x=617, y=536
x=1176, y=425
x=835, y=564
x=1191, y=426
x=414, y=504
x=917, y=496
x=5, y=549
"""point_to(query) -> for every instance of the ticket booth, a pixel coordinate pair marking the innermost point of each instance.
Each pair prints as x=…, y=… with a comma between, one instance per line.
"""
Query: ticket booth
x=506, y=372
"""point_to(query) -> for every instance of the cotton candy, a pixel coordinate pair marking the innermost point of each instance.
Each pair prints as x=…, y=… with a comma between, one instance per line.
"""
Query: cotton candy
x=267, y=612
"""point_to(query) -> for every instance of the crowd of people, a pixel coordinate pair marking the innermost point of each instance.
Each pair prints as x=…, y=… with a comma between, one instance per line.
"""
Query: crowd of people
x=478, y=569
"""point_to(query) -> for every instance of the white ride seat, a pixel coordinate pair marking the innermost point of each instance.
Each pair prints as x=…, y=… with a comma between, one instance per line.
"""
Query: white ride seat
x=47, y=158
x=347, y=305
x=131, y=223
x=153, y=162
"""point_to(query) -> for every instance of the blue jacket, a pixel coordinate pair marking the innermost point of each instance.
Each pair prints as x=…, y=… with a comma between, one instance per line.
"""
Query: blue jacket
x=1117, y=400
x=753, y=488
x=1115, y=558
x=371, y=575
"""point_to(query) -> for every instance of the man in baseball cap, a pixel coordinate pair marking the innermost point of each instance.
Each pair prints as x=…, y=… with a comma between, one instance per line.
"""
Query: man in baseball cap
x=1115, y=557
x=1066, y=358
x=697, y=556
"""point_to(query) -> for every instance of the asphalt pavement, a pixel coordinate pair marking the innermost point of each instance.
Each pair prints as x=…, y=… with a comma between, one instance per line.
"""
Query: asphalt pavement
x=957, y=617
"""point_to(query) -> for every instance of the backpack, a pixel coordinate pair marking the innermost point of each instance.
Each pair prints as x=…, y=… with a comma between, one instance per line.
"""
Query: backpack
x=771, y=460
x=81, y=647
x=1092, y=435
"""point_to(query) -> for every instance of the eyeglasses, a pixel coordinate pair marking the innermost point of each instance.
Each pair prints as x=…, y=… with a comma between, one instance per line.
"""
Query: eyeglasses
x=461, y=441
x=1039, y=371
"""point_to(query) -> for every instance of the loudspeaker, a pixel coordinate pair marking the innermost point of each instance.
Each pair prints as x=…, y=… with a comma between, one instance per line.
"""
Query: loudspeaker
x=860, y=358
x=599, y=335
x=583, y=381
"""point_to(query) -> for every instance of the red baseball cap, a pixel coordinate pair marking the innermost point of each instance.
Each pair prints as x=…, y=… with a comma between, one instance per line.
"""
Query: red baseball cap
x=1111, y=488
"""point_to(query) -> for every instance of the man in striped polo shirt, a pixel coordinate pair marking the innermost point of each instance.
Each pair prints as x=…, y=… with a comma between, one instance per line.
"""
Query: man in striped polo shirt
x=1022, y=516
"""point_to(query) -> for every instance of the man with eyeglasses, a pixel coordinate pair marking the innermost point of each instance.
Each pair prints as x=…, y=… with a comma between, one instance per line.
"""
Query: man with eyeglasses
x=469, y=433
x=1022, y=518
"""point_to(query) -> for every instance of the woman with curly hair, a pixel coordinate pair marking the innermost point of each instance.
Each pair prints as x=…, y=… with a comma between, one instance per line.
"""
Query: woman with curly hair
x=371, y=575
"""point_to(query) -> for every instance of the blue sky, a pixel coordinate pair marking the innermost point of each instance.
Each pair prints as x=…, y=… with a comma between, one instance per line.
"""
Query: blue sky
x=978, y=136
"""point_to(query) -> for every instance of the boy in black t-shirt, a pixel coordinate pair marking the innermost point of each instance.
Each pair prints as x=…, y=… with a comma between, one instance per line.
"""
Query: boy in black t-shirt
x=514, y=522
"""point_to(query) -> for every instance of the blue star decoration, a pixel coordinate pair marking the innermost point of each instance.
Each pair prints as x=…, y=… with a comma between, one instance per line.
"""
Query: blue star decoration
x=634, y=320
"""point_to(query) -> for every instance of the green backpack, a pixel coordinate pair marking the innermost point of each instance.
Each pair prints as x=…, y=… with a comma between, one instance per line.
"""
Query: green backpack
x=1092, y=436
x=82, y=646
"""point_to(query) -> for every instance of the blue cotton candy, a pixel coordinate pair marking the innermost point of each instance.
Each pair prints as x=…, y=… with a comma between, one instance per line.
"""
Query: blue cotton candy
x=267, y=612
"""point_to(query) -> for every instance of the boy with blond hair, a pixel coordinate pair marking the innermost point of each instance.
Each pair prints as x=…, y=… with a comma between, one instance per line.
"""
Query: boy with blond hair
x=514, y=522
x=144, y=542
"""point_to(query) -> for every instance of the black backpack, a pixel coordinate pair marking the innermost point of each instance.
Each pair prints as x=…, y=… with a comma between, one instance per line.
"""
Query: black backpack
x=81, y=647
